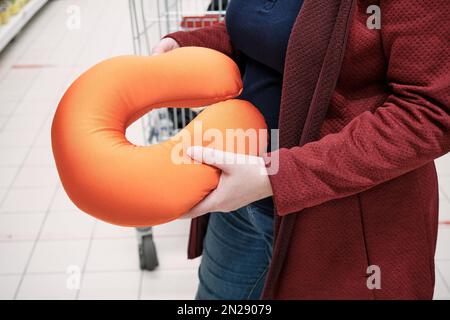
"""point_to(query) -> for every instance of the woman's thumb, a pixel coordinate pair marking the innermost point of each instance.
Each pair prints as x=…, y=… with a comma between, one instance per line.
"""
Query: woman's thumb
x=159, y=49
x=165, y=45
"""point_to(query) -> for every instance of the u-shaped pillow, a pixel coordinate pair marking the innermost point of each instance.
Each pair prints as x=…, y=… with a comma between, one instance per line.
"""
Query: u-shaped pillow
x=121, y=183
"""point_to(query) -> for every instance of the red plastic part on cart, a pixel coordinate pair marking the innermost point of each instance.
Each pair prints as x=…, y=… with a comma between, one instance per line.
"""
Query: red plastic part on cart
x=195, y=22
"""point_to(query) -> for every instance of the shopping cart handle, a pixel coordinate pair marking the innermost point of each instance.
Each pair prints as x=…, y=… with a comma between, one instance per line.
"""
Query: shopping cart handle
x=115, y=181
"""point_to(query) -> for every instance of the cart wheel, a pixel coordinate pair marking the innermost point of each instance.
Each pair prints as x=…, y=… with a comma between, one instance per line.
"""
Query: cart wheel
x=147, y=254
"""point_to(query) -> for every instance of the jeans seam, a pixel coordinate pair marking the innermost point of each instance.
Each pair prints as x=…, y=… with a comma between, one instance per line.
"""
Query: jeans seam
x=257, y=282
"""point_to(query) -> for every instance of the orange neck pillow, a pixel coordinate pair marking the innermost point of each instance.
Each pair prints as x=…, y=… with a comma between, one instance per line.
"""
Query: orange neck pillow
x=121, y=183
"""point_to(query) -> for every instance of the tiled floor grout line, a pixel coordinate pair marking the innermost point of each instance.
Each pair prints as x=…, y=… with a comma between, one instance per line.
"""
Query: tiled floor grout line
x=19, y=168
x=86, y=258
x=29, y=165
x=141, y=284
x=19, y=101
x=19, y=285
x=174, y=270
x=97, y=238
x=444, y=281
x=22, y=164
x=26, y=188
x=103, y=271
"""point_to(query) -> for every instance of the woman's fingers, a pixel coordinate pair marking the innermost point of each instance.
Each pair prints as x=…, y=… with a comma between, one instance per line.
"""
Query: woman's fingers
x=214, y=157
x=240, y=183
x=208, y=156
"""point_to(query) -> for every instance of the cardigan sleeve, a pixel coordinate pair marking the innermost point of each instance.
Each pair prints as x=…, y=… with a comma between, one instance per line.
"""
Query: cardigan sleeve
x=214, y=37
x=409, y=130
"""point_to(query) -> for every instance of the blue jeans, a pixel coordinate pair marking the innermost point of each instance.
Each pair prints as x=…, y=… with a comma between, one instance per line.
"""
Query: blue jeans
x=237, y=252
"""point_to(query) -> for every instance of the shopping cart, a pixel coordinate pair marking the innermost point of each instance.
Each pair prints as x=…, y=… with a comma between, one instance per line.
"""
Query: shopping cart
x=151, y=20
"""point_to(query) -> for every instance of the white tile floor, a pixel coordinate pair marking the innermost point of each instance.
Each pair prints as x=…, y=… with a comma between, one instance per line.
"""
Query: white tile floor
x=45, y=240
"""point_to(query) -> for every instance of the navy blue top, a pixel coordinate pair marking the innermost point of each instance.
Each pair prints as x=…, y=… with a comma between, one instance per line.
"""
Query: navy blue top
x=260, y=30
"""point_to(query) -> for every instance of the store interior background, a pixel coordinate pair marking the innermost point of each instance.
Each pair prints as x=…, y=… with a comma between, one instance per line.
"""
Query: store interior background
x=42, y=233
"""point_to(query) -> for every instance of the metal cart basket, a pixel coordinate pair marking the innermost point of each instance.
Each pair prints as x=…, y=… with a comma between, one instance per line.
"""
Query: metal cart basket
x=150, y=21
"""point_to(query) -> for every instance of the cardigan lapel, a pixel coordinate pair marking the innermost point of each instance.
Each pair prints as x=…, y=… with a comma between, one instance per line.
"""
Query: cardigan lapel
x=313, y=62
x=314, y=48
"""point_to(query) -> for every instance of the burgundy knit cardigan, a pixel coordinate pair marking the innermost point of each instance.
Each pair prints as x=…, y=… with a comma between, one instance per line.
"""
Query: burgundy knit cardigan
x=363, y=114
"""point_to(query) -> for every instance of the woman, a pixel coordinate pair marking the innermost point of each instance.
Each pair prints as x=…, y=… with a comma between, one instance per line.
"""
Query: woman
x=351, y=212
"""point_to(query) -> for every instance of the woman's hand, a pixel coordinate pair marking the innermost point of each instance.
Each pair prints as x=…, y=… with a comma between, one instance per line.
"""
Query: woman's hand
x=165, y=45
x=243, y=180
